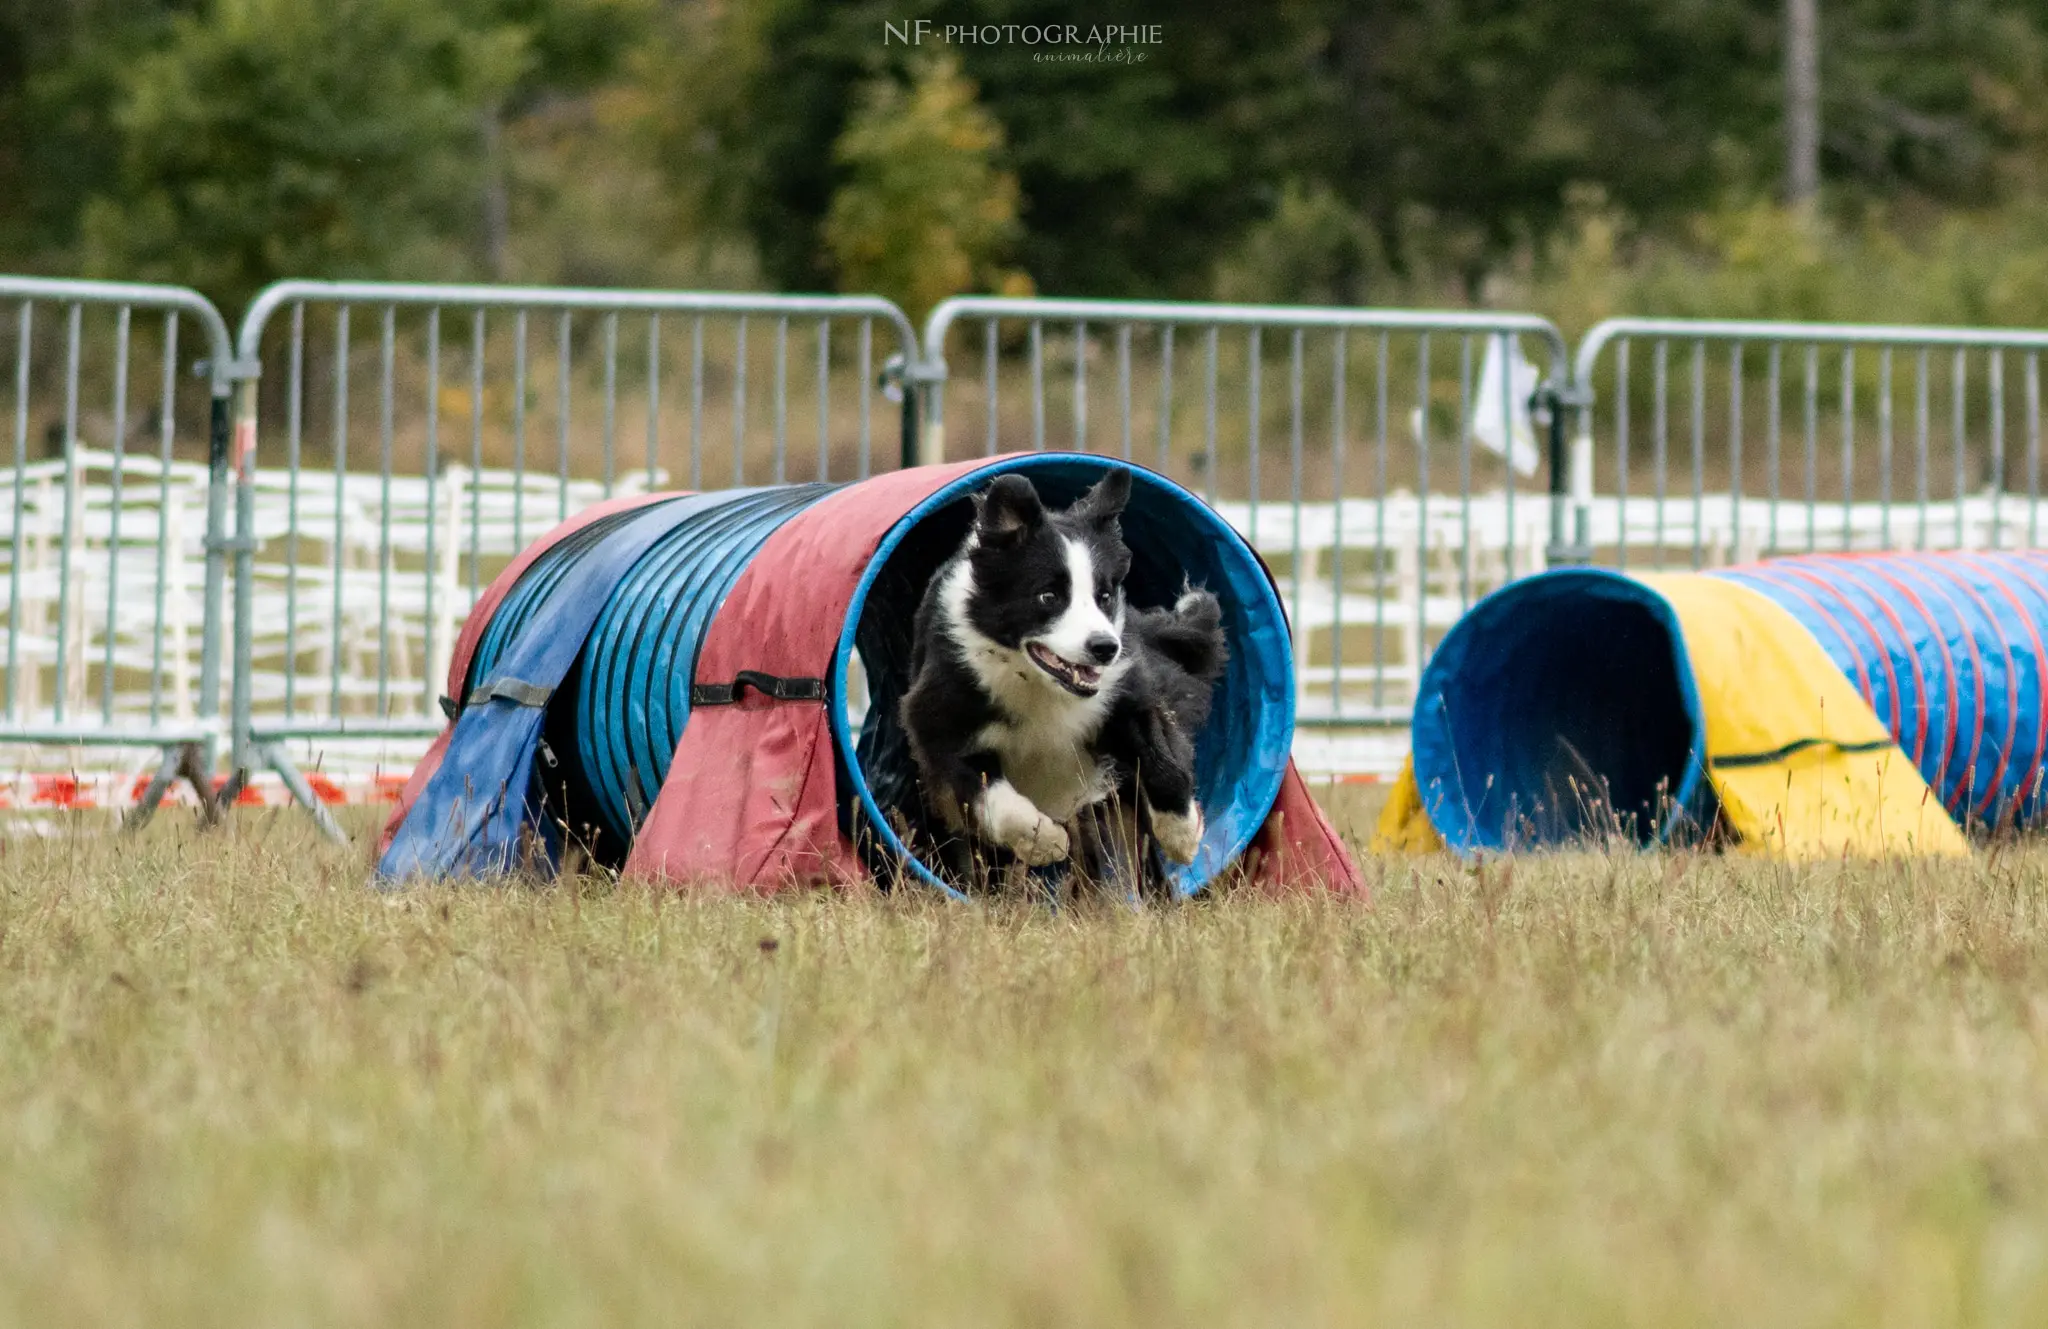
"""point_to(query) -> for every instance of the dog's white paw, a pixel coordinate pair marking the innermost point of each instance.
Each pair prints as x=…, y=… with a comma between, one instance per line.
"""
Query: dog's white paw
x=1179, y=835
x=1014, y=822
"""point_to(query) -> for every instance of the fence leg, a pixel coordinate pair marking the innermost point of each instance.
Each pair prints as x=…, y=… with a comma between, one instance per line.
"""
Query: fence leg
x=182, y=761
x=195, y=763
x=275, y=758
x=153, y=793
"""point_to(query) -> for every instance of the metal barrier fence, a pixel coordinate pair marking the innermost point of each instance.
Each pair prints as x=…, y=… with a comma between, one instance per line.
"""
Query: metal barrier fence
x=395, y=446
x=1414, y=471
x=477, y=448
x=108, y=642
x=1801, y=436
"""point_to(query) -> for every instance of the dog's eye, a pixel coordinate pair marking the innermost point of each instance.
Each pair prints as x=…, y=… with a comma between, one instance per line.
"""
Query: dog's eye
x=1106, y=596
x=1048, y=598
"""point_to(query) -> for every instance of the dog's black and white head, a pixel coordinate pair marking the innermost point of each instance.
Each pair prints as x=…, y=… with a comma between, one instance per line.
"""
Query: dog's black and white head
x=1045, y=588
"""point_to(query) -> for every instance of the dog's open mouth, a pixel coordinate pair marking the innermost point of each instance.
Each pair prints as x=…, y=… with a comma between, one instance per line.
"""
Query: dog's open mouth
x=1081, y=680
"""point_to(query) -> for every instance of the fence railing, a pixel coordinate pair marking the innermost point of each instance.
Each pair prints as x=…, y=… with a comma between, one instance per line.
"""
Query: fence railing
x=1726, y=441
x=490, y=414
x=1415, y=476
x=394, y=446
x=116, y=507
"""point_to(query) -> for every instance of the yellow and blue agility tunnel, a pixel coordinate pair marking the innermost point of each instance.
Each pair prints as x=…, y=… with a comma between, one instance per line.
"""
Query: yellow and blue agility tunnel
x=1813, y=706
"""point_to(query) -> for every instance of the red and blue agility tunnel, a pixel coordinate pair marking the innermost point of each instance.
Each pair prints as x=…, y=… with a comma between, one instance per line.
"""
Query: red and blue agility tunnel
x=1855, y=690
x=672, y=672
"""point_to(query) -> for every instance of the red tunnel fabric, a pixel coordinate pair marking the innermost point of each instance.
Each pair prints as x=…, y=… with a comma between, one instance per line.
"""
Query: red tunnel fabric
x=1298, y=848
x=751, y=798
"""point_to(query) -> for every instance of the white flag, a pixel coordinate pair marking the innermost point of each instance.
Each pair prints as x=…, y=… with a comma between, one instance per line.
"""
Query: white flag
x=1496, y=425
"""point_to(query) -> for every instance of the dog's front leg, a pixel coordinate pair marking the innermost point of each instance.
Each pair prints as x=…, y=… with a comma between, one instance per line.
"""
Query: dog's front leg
x=966, y=786
x=1014, y=822
x=1166, y=782
x=1179, y=833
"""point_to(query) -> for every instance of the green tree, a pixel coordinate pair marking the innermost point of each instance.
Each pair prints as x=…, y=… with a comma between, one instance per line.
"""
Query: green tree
x=546, y=165
x=1304, y=146
x=1133, y=178
x=130, y=118
x=1456, y=129
x=1933, y=102
x=61, y=65
x=272, y=138
x=1460, y=126
x=925, y=212
x=1314, y=249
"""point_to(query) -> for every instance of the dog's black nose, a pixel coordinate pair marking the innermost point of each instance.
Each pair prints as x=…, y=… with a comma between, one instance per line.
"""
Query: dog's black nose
x=1103, y=647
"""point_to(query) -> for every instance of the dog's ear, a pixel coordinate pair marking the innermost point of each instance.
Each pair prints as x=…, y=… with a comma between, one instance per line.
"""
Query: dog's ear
x=1106, y=501
x=1007, y=511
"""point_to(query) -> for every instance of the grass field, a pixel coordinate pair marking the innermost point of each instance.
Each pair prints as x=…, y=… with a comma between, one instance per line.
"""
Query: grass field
x=238, y=1089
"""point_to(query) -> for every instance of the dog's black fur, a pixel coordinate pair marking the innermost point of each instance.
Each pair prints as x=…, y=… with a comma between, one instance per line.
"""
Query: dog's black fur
x=1048, y=725
x=1178, y=654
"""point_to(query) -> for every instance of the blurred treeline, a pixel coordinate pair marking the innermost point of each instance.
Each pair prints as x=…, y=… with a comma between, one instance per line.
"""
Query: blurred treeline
x=1578, y=157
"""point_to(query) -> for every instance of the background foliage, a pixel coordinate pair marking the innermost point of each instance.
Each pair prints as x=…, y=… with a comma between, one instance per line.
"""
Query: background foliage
x=1577, y=154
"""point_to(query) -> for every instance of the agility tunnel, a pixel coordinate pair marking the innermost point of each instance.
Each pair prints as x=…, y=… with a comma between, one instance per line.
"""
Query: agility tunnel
x=674, y=675
x=1809, y=706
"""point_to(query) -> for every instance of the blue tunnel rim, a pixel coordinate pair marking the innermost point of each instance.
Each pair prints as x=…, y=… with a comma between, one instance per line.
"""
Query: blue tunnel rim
x=1449, y=657
x=1186, y=879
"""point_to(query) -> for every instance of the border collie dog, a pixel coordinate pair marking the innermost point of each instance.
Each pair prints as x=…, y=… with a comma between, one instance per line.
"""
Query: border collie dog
x=1038, y=700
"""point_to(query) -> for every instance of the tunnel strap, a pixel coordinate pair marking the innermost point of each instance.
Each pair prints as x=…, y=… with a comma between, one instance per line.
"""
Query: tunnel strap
x=1737, y=761
x=768, y=685
x=515, y=690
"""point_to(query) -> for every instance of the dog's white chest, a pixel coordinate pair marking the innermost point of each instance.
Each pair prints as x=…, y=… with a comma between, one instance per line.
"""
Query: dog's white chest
x=1051, y=761
x=1045, y=738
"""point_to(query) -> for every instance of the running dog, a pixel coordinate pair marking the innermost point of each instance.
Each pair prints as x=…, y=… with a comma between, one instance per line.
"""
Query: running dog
x=1038, y=698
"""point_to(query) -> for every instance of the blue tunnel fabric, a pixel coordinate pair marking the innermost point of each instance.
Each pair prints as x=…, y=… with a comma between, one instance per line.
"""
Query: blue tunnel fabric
x=531, y=592
x=1580, y=677
x=633, y=693
x=469, y=818
x=1947, y=648
x=631, y=689
x=1175, y=539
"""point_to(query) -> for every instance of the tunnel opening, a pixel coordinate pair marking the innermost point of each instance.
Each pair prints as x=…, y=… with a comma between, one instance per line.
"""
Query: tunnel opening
x=1562, y=710
x=1175, y=540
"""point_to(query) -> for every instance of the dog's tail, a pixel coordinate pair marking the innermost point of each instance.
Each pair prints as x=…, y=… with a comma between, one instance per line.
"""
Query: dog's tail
x=1192, y=635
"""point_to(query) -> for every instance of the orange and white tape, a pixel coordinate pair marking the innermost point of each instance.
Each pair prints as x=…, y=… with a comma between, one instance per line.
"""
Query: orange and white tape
x=121, y=790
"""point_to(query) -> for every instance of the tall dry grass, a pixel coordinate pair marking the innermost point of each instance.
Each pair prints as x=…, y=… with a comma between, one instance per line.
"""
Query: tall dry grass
x=238, y=1088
